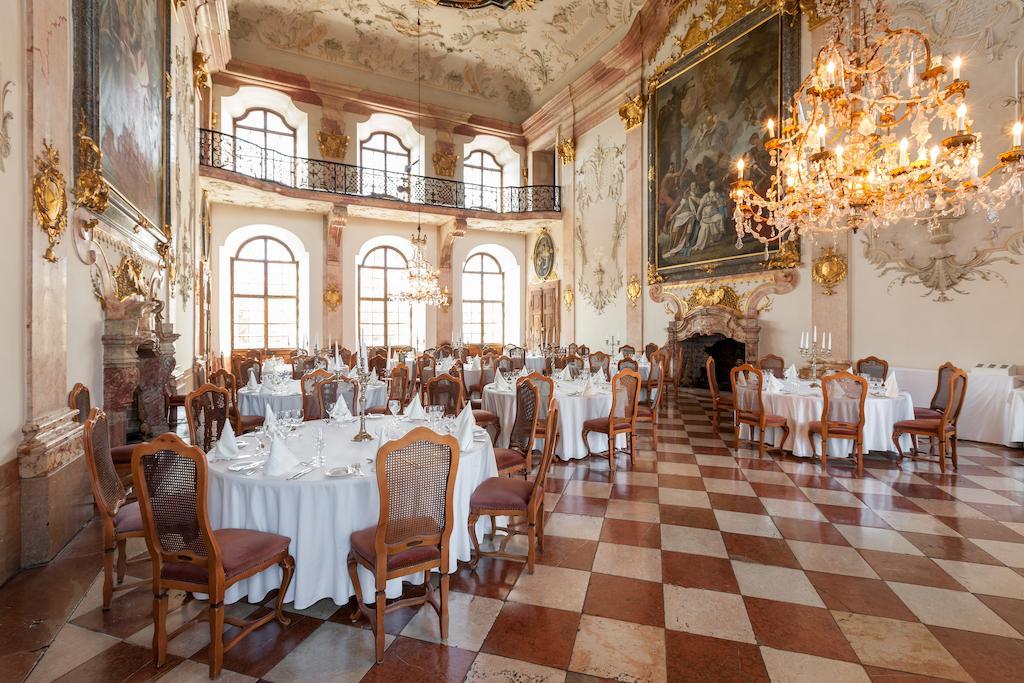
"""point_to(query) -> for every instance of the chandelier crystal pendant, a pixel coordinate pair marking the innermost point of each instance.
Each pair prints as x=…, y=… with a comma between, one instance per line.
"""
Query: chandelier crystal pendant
x=878, y=132
x=422, y=286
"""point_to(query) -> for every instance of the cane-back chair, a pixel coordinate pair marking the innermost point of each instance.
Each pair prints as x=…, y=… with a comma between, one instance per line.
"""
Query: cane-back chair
x=330, y=391
x=345, y=356
x=873, y=366
x=518, y=356
x=310, y=397
x=583, y=350
x=942, y=429
x=575, y=365
x=240, y=423
x=621, y=418
x=650, y=349
x=444, y=351
x=416, y=484
x=627, y=350
x=513, y=497
x=748, y=405
x=572, y=349
x=378, y=365
x=655, y=385
x=446, y=390
x=599, y=360
x=249, y=365
x=302, y=365
x=208, y=410
x=629, y=364
x=842, y=414
x=424, y=369
x=776, y=364
x=397, y=391
x=189, y=555
x=120, y=519
x=719, y=402
x=79, y=399
x=504, y=364
x=940, y=399
x=518, y=457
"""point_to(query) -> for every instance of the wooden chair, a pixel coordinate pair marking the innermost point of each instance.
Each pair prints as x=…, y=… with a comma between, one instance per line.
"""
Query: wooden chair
x=572, y=349
x=776, y=364
x=79, y=399
x=621, y=418
x=174, y=401
x=748, y=406
x=873, y=366
x=518, y=356
x=120, y=519
x=546, y=386
x=345, y=356
x=444, y=351
x=583, y=350
x=842, y=414
x=628, y=364
x=648, y=411
x=208, y=410
x=330, y=391
x=486, y=377
x=719, y=402
x=518, y=457
x=379, y=365
x=941, y=429
x=446, y=390
x=650, y=349
x=576, y=365
x=245, y=365
x=940, y=399
x=189, y=555
x=600, y=361
x=504, y=364
x=240, y=423
x=397, y=391
x=310, y=397
x=416, y=484
x=627, y=350
x=302, y=365
x=508, y=497
x=424, y=369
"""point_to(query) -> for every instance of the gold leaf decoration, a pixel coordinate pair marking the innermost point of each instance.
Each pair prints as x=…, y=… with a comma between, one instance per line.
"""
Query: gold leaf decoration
x=332, y=145
x=50, y=198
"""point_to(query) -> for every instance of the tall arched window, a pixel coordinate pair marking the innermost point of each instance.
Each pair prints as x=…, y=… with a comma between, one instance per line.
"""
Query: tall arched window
x=267, y=130
x=482, y=174
x=382, y=272
x=264, y=295
x=483, y=300
x=385, y=161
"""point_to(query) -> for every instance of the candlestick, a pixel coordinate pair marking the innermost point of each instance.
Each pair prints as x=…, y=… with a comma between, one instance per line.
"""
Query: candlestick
x=961, y=117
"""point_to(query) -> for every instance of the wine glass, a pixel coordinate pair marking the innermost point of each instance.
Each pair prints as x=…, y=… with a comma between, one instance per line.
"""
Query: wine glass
x=394, y=406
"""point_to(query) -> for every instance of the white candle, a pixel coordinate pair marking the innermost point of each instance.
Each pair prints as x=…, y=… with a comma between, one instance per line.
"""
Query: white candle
x=935, y=154
x=839, y=158
x=739, y=168
x=771, y=128
x=961, y=116
x=829, y=341
x=1017, y=128
x=904, y=145
x=957, y=62
x=815, y=334
x=821, y=136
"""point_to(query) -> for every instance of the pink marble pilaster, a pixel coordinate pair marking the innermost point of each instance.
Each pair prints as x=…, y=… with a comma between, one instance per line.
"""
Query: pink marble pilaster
x=567, y=180
x=334, y=227
x=635, y=181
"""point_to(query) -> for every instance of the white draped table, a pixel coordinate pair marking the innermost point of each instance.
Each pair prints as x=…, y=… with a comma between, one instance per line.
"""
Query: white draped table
x=986, y=413
x=1016, y=418
x=574, y=409
x=255, y=402
x=319, y=514
x=800, y=405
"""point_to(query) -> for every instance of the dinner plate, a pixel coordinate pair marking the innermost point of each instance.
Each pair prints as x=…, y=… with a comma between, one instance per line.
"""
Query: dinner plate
x=342, y=472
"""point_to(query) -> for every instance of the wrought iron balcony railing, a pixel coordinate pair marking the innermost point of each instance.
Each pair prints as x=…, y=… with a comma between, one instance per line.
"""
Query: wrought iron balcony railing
x=229, y=153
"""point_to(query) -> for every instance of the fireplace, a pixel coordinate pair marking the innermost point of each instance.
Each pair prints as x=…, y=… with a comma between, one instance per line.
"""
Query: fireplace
x=727, y=352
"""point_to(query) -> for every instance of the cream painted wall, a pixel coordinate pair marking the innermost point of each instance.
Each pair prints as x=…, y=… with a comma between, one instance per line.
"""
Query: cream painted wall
x=307, y=227
x=85, y=327
x=13, y=196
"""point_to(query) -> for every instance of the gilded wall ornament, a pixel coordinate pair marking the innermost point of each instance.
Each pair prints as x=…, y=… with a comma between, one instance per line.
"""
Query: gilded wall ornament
x=166, y=251
x=332, y=298
x=544, y=255
x=786, y=257
x=829, y=270
x=634, y=289
x=200, y=70
x=568, y=298
x=127, y=279
x=653, y=276
x=91, y=189
x=5, y=121
x=566, y=151
x=332, y=145
x=50, y=198
x=632, y=111
x=444, y=164
x=722, y=295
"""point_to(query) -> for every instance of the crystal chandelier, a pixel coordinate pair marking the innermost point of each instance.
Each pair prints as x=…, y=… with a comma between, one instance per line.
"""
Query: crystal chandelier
x=878, y=132
x=423, y=286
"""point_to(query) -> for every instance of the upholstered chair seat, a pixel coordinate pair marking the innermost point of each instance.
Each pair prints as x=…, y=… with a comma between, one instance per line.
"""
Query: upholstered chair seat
x=363, y=546
x=502, y=493
x=815, y=427
x=599, y=424
x=128, y=519
x=508, y=459
x=241, y=550
x=927, y=414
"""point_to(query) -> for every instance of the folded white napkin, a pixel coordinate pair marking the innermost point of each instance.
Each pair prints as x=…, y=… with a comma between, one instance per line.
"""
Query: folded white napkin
x=475, y=362
x=269, y=419
x=565, y=374
x=741, y=379
x=772, y=384
x=267, y=388
x=892, y=387
x=227, y=446
x=414, y=411
x=281, y=460
x=341, y=410
x=253, y=385
x=604, y=376
x=589, y=389
x=465, y=425
x=500, y=383
x=791, y=374
x=445, y=365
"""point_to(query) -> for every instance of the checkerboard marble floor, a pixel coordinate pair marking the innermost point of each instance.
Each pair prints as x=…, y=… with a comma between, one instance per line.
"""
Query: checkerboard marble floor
x=696, y=563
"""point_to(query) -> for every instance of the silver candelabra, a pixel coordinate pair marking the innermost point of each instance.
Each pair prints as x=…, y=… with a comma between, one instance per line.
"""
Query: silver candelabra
x=362, y=380
x=814, y=353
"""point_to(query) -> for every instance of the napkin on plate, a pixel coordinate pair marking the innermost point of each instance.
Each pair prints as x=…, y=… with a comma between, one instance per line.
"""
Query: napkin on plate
x=414, y=411
x=791, y=374
x=253, y=385
x=500, y=383
x=269, y=419
x=565, y=374
x=340, y=410
x=281, y=460
x=227, y=446
x=465, y=425
x=892, y=387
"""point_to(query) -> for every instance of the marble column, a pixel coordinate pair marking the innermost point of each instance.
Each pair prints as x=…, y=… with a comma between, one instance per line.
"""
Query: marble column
x=334, y=227
x=567, y=180
x=121, y=339
x=449, y=233
x=635, y=259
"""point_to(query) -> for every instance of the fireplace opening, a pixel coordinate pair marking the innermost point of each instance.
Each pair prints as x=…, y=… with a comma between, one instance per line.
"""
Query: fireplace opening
x=727, y=352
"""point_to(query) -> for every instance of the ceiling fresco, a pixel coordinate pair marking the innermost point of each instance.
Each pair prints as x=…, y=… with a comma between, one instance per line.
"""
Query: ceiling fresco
x=508, y=61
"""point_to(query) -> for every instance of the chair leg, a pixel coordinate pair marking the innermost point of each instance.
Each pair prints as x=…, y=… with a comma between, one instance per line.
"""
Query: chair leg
x=714, y=420
x=860, y=458
x=760, y=442
x=952, y=443
x=159, y=628
x=540, y=529
x=378, y=626
x=632, y=447
x=108, y=577
x=353, y=575
x=654, y=431
x=737, y=427
x=443, y=615
x=288, y=567
x=531, y=538
x=474, y=559
x=942, y=455
x=494, y=527
x=216, y=652
x=785, y=438
x=122, y=560
x=899, y=447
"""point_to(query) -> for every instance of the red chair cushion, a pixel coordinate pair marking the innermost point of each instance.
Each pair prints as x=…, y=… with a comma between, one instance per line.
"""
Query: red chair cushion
x=363, y=545
x=240, y=550
x=644, y=411
x=600, y=424
x=815, y=428
x=377, y=410
x=483, y=417
x=122, y=455
x=502, y=493
x=128, y=518
x=927, y=414
x=922, y=425
x=506, y=458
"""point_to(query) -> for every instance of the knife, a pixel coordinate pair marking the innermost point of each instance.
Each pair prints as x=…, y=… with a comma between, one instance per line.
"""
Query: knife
x=302, y=473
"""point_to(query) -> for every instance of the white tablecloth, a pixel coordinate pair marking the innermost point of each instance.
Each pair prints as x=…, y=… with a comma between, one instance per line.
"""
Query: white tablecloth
x=255, y=402
x=1016, y=418
x=803, y=406
x=319, y=514
x=535, y=363
x=986, y=413
x=574, y=410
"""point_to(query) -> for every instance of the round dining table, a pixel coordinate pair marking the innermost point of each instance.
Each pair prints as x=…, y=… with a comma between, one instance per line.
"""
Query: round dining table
x=289, y=397
x=575, y=406
x=319, y=513
x=800, y=403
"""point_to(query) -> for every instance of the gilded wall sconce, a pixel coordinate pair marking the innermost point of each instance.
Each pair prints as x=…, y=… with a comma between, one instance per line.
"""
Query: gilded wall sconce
x=829, y=270
x=634, y=289
x=332, y=298
x=566, y=151
x=446, y=299
x=568, y=298
x=50, y=198
x=632, y=111
x=200, y=70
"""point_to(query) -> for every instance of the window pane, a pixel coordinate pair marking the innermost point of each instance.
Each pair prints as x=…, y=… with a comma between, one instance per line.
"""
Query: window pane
x=254, y=119
x=277, y=124
x=493, y=287
x=471, y=287
x=254, y=249
x=374, y=258
x=277, y=251
x=282, y=312
x=282, y=279
x=248, y=277
x=490, y=265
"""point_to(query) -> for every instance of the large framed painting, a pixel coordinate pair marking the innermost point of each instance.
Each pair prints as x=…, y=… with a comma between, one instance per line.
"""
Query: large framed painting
x=708, y=109
x=122, y=93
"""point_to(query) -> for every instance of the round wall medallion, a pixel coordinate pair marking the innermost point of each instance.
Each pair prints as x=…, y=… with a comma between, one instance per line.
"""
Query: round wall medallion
x=544, y=255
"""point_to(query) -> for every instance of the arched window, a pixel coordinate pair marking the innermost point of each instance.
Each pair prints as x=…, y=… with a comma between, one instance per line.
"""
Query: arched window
x=385, y=163
x=266, y=130
x=483, y=300
x=264, y=295
x=482, y=174
x=383, y=272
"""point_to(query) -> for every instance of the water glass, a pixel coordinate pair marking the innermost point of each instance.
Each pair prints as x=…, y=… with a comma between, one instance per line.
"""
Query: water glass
x=394, y=407
x=318, y=448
